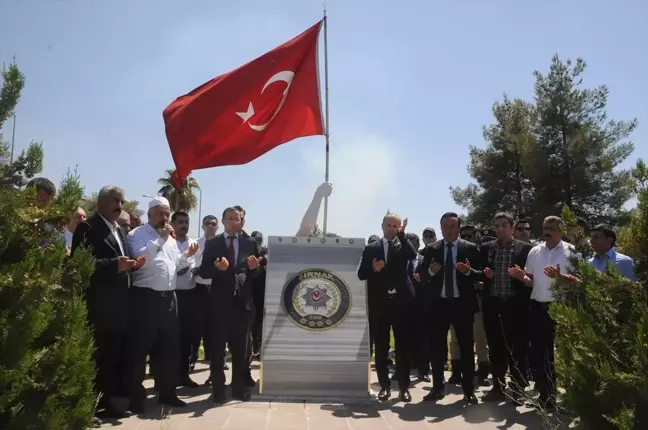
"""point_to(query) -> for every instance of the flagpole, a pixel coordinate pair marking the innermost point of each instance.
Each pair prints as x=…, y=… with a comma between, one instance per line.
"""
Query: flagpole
x=326, y=96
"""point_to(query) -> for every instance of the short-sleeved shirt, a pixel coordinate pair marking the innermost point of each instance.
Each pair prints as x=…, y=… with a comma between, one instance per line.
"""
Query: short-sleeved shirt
x=540, y=257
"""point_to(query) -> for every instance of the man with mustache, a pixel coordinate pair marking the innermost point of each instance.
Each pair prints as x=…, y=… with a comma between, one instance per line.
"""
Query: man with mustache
x=545, y=262
x=189, y=299
x=153, y=319
x=107, y=296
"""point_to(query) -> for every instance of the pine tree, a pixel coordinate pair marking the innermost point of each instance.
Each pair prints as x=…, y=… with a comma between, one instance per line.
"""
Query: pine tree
x=16, y=173
x=580, y=147
x=500, y=169
x=46, y=366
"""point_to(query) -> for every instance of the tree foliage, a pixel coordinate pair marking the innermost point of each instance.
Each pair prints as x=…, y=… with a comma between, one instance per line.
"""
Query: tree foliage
x=501, y=168
x=602, y=338
x=46, y=366
x=633, y=238
x=317, y=232
x=562, y=149
x=89, y=204
x=30, y=162
x=184, y=200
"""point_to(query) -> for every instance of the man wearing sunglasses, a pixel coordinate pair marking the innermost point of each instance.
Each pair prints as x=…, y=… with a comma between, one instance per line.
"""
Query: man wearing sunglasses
x=522, y=230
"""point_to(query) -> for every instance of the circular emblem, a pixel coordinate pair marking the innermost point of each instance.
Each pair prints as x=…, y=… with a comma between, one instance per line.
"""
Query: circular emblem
x=316, y=299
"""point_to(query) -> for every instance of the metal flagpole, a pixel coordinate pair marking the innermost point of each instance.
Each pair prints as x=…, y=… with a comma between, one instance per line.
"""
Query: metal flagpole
x=13, y=140
x=326, y=96
x=199, y=212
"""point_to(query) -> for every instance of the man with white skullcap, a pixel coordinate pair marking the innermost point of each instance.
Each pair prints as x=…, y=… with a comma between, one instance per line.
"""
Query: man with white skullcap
x=153, y=317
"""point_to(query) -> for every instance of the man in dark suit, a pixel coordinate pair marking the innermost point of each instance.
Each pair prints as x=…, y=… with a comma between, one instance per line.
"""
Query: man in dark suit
x=232, y=262
x=505, y=306
x=107, y=296
x=451, y=266
x=391, y=300
x=420, y=354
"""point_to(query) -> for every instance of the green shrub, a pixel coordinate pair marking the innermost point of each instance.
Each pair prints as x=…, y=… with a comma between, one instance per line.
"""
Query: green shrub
x=602, y=338
x=46, y=367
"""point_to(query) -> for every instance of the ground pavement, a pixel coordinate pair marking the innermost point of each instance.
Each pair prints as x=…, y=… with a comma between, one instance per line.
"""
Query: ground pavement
x=449, y=414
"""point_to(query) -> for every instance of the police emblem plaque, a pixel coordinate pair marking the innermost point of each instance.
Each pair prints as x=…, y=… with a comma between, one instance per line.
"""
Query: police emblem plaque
x=316, y=299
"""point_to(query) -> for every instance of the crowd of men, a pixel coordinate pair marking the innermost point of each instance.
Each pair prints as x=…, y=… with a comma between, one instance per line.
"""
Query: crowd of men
x=494, y=292
x=157, y=293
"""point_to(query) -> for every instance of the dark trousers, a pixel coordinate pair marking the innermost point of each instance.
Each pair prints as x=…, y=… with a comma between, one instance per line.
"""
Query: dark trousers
x=203, y=305
x=506, y=341
x=229, y=324
x=443, y=314
x=192, y=317
x=397, y=317
x=152, y=329
x=257, y=328
x=108, y=318
x=420, y=350
x=542, y=333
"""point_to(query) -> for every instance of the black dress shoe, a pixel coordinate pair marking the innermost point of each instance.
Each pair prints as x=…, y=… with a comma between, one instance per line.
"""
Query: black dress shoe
x=219, y=398
x=208, y=382
x=470, y=398
x=434, y=395
x=188, y=382
x=384, y=394
x=171, y=400
x=424, y=378
x=494, y=395
x=136, y=407
x=249, y=381
x=243, y=396
x=455, y=378
x=109, y=411
x=405, y=396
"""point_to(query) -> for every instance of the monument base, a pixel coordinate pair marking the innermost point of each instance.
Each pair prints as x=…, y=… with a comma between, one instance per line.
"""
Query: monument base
x=327, y=381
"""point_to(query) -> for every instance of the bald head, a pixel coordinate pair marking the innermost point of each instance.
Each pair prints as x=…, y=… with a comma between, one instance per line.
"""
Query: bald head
x=124, y=221
x=390, y=225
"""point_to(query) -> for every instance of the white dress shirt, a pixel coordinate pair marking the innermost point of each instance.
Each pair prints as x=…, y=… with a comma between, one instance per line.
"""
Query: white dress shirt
x=163, y=259
x=113, y=229
x=186, y=281
x=123, y=248
x=385, y=242
x=540, y=257
x=455, y=248
x=68, y=237
x=202, y=242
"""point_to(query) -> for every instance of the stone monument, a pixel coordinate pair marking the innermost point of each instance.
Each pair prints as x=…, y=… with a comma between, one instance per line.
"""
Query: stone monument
x=315, y=327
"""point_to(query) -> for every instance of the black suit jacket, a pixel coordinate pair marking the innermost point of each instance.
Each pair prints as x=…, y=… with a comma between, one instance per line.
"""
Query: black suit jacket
x=237, y=274
x=520, y=252
x=393, y=276
x=107, y=294
x=465, y=282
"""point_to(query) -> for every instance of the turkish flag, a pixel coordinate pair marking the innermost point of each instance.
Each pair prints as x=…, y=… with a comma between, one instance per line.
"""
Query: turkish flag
x=239, y=116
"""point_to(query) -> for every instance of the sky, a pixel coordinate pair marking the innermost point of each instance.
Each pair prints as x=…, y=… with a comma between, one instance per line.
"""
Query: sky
x=411, y=87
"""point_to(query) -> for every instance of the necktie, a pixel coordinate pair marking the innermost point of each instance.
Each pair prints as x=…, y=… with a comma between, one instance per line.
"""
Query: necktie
x=231, y=257
x=449, y=270
x=231, y=254
x=390, y=248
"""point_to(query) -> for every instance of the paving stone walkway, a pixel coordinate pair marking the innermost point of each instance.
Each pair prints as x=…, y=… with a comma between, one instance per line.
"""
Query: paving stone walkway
x=449, y=414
